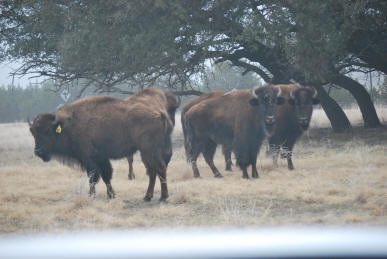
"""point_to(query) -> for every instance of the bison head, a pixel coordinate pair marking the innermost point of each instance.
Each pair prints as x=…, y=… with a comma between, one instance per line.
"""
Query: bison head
x=172, y=105
x=267, y=98
x=46, y=129
x=303, y=100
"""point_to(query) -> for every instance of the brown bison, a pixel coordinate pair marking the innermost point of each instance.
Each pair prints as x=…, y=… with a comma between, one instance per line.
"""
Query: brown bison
x=292, y=120
x=236, y=119
x=159, y=100
x=225, y=149
x=93, y=130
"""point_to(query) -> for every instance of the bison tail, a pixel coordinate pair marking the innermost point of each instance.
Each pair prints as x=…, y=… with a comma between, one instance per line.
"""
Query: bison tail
x=167, y=123
x=189, y=136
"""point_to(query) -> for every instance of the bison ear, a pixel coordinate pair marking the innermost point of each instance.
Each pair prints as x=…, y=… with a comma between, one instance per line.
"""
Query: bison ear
x=315, y=101
x=291, y=101
x=280, y=100
x=60, y=117
x=254, y=102
x=57, y=127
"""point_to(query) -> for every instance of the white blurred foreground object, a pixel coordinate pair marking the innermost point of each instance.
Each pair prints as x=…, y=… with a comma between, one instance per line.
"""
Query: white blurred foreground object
x=258, y=243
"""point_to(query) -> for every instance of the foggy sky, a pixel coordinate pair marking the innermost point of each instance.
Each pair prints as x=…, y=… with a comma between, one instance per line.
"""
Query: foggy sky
x=5, y=79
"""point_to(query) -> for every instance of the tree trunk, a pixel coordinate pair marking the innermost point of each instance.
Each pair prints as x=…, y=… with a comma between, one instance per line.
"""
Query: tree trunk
x=362, y=98
x=336, y=115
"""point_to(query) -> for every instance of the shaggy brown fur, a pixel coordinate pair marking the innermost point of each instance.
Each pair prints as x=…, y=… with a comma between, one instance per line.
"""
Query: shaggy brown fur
x=225, y=149
x=93, y=130
x=234, y=119
x=292, y=120
x=160, y=101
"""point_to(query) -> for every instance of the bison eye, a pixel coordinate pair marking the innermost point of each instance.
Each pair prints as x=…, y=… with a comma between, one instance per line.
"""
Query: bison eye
x=46, y=131
x=315, y=101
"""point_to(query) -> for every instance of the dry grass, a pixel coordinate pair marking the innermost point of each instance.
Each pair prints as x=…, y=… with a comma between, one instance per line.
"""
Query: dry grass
x=339, y=179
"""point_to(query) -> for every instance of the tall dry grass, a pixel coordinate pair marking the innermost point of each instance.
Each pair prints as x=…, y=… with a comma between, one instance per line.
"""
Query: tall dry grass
x=339, y=179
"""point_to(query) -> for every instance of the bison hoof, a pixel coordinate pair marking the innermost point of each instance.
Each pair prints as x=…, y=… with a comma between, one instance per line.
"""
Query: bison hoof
x=245, y=177
x=229, y=169
x=147, y=198
x=131, y=177
x=197, y=175
x=163, y=199
x=111, y=195
x=290, y=166
x=218, y=175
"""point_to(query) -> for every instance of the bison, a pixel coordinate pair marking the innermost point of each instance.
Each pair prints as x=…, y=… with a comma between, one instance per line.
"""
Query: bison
x=292, y=120
x=159, y=100
x=225, y=149
x=236, y=119
x=93, y=130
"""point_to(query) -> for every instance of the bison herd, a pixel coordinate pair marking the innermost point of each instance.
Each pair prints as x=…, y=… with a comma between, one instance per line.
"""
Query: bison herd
x=91, y=131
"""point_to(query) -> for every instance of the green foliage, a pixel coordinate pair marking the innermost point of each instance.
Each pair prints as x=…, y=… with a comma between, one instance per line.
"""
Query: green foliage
x=224, y=76
x=18, y=104
x=134, y=43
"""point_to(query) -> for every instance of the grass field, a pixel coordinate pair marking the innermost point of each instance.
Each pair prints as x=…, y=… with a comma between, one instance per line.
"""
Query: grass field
x=339, y=179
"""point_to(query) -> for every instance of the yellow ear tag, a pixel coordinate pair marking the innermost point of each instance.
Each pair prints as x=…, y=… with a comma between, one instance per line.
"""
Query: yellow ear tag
x=58, y=129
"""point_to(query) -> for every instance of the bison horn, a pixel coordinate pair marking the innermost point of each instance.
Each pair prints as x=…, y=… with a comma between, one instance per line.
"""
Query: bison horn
x=291, y=94
x=253, y=92
x=314, y=93
x=294, y=82
x=279, y=91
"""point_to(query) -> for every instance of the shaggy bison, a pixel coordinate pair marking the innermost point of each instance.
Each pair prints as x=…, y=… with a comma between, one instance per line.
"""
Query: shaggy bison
x=236, y=119
x=93, y=130
x=160, y=101
x=225, y=149
x=292, y=120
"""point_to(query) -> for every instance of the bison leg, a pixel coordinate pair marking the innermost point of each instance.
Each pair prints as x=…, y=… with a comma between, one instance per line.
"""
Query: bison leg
x=192, y=148
x=227, y=157
x=288, y=149
x=208, y=154
x=162, y=172
x=193, y=158
x=274, y=150
x=242, y=155
x=167, y=150
x=166, y=155
x=290, y=163
x=245, y=175
x=106, y=173
x=130, y=162
x=254, y=171
x=93, y=180
x=195, y=168
x=155, y=164
x=151, y=185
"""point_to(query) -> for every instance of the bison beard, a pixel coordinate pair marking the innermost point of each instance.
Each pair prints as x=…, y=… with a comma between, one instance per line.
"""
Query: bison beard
x=93, y=130
x=230, y=120
x=158, y=100
x=292, y=120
